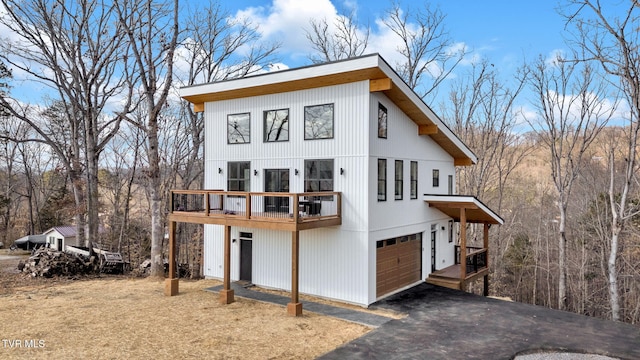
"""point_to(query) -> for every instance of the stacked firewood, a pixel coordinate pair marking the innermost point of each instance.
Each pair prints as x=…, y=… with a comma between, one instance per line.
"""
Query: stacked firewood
x=48, y=262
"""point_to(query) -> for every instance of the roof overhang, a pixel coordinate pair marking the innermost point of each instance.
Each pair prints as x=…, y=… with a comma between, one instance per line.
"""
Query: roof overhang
x=475, y=210
x=381, y=77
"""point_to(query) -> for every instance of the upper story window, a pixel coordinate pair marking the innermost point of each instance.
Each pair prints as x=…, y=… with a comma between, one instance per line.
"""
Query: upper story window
x=318, y=122
x=414, y=180
x=382, y=179
x=276, y=125
x=450, y=184
x=238, y=176
x=239, y=128
x=382, y=121
x=436, y=177
x=399, y=184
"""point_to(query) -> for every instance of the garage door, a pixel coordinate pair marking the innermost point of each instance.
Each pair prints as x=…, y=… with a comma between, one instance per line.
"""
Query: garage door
x=398, y=263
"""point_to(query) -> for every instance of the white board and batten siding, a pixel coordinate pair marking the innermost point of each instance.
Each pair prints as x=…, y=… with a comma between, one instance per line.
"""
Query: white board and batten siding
x=333, y=261
x=393, y=218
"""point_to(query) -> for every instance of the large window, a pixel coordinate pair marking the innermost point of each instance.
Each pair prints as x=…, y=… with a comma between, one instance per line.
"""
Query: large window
x=318, y=175
x=382, y=179
x=414, y=180
x=238, y=176
x=318, y=122
x=436, y=178
x=276, y=125
x=382, y=121
x=399, y=179
x=238, y=128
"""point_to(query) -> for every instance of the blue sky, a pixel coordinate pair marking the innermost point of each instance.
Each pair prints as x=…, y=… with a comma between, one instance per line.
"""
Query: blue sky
x=505, y=32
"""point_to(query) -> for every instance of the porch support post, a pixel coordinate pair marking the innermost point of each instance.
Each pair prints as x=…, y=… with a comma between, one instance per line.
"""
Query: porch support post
x=486, y=247
x=463, y=244
x=226, y=294
x=171, y=283
x=294, y=308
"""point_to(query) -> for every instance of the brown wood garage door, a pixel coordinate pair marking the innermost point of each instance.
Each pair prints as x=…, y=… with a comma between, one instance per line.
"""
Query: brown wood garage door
x=398, y=263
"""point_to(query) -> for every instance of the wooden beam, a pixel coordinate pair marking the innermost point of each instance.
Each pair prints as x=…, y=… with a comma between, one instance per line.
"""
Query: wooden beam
x=380, y=84
x=226, y=294
x=171, y=284
x=294, y=308
x=486, y=246
x=463, y=244
x=462, y=162
x=427, y=129
x=198, y=107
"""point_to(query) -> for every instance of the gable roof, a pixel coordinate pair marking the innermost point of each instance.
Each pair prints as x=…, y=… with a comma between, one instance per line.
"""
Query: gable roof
x=65, y=230
x=373, y=67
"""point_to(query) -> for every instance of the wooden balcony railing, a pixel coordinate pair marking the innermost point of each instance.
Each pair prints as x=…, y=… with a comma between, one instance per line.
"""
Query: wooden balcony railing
x=269, y=206
x=476, y=258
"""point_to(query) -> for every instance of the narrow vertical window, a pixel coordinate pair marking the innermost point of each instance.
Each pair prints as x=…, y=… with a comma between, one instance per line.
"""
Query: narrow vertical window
x=238, y=176
x=399, y=179
x=382, y=179
x=436, y=177
x=450, y=231
x=318, y=122
x=238, y=128
x=382, y=121
x=414, y=179
x=450, y=184
x=276, y=125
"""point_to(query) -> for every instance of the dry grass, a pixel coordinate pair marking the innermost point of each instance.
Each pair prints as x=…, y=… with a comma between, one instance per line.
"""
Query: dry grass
x=118, y=318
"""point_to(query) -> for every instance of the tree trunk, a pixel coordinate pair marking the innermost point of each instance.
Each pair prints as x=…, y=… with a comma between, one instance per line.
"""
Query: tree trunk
x=562, y=266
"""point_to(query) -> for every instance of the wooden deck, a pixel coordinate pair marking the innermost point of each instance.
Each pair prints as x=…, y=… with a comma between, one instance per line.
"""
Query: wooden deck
x=449, y=277
x=248, y=209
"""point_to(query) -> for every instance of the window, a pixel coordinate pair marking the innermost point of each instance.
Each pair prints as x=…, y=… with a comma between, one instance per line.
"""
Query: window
x=414, y=179
x=382, y=179
x=399, y=179
x=450, y=231
x=276, y=125
x=238, y=128
x=318, y=175
x=436, y=177
x=382, y=121
x=450, y=184
x=238, y=176
x=318, y=122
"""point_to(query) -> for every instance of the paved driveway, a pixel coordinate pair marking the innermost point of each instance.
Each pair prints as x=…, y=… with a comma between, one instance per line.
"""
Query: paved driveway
x=449, y=324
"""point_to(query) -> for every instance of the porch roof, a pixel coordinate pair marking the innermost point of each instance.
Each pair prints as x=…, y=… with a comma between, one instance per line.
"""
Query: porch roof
x=476, y=211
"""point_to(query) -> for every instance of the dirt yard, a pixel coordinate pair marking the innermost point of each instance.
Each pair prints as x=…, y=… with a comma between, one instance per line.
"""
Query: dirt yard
x=117, y=317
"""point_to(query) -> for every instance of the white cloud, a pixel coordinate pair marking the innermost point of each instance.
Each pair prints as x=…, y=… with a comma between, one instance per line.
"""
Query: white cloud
x=285, y=20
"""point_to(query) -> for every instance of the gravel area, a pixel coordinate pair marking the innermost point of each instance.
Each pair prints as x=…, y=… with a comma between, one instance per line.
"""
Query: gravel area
x=562, y=356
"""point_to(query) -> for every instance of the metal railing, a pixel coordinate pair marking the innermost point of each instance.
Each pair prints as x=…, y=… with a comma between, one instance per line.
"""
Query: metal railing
x=275, y=206
x=476, y=258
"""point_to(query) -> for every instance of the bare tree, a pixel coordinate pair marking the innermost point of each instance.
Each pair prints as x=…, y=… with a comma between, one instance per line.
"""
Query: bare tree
x=428, y=53
x=152, y=31
x=571, y=113
x=342, y=39
x=76, y=48
x=612, y=42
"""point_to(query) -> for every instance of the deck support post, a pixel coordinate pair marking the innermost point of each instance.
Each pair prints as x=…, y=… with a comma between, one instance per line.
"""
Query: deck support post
x=171, y=283
x=226, y=294
x=486, y=248
x=294, y=308
x=463, y=244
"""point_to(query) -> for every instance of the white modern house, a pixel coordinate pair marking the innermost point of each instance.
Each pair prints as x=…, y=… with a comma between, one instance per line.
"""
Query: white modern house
x=334, y=180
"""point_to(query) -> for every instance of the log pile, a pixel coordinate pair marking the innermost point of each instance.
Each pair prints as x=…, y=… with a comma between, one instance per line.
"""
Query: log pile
x=48, y=262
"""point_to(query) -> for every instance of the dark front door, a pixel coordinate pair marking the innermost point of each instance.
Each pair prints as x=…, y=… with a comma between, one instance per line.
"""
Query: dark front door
x=276, y=180
x=246, y=248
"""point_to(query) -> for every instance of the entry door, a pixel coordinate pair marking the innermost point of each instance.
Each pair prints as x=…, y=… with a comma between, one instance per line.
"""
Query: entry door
x=276, y=180
x=246, y=249
x=433, y=247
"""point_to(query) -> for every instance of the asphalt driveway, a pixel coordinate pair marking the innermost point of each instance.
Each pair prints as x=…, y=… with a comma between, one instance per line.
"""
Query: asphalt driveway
x=450, y=324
